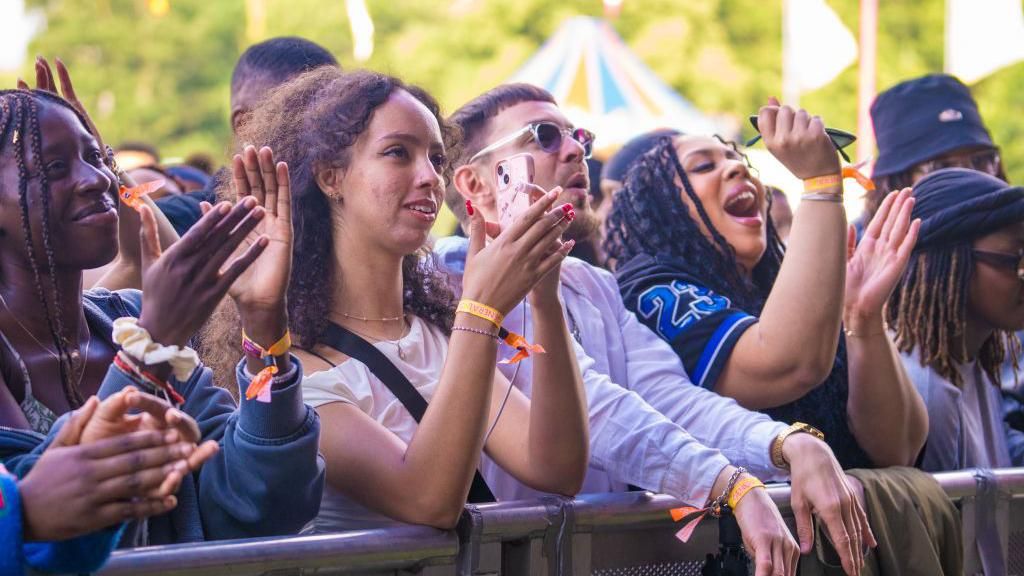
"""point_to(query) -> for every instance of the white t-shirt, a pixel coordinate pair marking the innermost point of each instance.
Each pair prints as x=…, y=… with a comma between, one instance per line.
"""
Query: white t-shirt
x=965, y=425
x=424, y=348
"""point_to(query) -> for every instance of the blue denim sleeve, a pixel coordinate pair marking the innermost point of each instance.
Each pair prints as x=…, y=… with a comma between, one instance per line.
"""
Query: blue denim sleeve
x=267, y=479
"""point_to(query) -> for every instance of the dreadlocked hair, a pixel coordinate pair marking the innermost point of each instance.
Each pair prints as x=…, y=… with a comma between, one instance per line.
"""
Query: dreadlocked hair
x=19, y=125
x=649, y=217
x=311, y=123
x=928, y=312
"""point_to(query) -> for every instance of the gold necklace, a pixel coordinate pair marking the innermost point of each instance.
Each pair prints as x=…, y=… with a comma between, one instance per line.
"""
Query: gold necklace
x=397, y=343
x=77, y=359
x=364, y=319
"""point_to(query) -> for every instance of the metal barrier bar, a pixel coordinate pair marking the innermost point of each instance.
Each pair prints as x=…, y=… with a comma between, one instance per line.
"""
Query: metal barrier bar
x=594, y=534
x=412, y=548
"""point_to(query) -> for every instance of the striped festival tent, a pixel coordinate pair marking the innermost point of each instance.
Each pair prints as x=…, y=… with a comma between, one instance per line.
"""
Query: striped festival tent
x=603, y=86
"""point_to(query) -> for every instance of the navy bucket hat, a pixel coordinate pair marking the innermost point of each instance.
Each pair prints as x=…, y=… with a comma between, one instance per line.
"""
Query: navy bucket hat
x=923, y=118
x=958, y=205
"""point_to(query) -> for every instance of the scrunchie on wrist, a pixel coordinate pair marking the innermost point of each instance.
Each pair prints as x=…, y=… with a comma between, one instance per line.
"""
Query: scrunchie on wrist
x=135, y=341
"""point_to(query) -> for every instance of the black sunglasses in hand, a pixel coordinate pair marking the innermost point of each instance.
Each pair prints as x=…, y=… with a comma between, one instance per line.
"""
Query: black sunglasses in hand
x=840, y=139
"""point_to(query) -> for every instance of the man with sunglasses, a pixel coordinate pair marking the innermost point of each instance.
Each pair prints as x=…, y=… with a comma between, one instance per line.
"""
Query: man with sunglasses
x=650, y=426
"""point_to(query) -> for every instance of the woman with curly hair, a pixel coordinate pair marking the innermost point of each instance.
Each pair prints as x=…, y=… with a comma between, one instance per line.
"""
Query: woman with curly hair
x=368, y=161
x=955, y=311
x=700, y=262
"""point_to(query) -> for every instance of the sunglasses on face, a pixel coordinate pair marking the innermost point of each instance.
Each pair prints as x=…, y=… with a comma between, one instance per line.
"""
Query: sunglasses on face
x=548, y=137
x=1003, y=260
x=840, y=139
x=986, y=161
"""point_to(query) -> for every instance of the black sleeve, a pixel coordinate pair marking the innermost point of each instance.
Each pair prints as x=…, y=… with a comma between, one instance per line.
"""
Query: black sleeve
x=702, y=326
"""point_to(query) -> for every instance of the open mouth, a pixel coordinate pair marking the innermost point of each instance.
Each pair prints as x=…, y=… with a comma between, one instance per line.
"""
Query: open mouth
x=743, y=203
x=577, y=181
x=426, y=208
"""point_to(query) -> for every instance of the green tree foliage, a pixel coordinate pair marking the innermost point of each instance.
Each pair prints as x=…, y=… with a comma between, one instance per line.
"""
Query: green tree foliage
x=164, y=79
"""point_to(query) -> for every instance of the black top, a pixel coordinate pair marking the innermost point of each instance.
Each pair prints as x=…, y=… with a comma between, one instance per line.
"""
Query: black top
x=703, y=328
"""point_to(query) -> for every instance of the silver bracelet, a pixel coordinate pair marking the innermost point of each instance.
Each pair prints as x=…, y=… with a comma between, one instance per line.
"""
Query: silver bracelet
x=836, y=198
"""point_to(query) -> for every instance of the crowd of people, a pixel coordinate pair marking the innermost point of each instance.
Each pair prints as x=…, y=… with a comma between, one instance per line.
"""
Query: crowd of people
x=282, y=346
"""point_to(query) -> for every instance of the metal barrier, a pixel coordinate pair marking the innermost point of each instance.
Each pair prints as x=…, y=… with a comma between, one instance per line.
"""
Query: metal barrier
x=628, y=534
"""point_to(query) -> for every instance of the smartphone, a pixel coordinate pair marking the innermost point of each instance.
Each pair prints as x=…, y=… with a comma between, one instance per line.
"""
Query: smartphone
x=508, y=174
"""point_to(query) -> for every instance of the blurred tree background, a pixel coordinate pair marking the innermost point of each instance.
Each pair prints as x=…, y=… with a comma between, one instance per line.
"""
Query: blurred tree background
x=159, y=70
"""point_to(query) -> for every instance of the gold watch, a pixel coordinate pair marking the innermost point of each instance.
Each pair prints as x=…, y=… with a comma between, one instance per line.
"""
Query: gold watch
x=795, y=428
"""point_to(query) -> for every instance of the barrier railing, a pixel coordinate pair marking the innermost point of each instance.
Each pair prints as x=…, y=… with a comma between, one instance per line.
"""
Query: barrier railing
x=624, y=534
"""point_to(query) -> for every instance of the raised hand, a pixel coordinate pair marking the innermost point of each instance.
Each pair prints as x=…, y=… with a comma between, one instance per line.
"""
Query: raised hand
x=501, y=273
x=820, y=487
x=261, y=291
x=74, y=490
x=879, y=260
x=182, y=286
x=798, y=140
x=766, y=536
x=45, y=81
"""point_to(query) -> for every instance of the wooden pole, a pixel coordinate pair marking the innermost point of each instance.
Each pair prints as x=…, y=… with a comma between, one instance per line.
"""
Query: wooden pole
x=868, y=74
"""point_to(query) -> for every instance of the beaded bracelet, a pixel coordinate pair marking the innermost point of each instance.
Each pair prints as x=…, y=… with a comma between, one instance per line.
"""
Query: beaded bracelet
x=475, y=331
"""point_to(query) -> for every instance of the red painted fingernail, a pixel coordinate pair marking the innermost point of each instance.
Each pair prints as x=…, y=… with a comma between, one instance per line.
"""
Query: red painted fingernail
x=567, y=208
x=469, y=208
x=571, y=215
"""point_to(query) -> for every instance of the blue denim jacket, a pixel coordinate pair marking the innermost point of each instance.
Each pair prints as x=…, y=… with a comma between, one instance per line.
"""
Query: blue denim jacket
x=267, y=478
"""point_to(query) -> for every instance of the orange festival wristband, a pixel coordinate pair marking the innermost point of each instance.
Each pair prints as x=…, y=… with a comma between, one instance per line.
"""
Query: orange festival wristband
x=479, y=310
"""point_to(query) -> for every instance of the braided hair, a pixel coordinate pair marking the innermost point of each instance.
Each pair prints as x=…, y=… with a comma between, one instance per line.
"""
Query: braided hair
x=21, y=136
x=928, y=311
x=650, y=217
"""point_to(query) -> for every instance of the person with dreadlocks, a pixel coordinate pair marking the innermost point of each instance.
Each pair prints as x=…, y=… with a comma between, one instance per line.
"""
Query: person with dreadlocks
x=58, y=344
x=698, y=259
x=955, y=311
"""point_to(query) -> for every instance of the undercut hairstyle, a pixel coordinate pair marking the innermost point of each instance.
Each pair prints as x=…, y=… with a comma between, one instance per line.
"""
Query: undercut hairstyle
x=649, y=217
x=278, y=60
x=928, y=311
x=20, y=138
x=473, y=120
x=312, y=123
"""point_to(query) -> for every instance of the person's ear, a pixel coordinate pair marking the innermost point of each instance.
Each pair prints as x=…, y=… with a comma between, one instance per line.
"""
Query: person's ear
x=329, y=179
x=473, y=187
x=237, y=117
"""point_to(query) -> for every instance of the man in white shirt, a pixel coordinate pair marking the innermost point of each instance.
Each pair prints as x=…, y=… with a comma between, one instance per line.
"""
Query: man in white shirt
x=649, y=425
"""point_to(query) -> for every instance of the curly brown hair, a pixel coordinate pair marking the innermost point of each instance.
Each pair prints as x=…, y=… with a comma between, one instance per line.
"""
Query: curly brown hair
x=311, y=122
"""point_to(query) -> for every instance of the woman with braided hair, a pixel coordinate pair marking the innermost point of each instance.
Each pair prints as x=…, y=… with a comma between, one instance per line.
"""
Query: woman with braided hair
x=698, y=259
x=955, y=312
x=59, y=346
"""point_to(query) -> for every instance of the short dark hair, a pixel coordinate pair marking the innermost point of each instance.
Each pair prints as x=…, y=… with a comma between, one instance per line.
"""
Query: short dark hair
x=473, y=119
x=279, y=60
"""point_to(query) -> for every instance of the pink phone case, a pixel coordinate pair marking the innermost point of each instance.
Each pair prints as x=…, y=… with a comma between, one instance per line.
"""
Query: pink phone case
x=508, y=173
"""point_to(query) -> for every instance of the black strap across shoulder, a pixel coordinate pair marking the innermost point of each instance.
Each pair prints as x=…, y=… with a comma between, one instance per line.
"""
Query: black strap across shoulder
x=350, y=344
